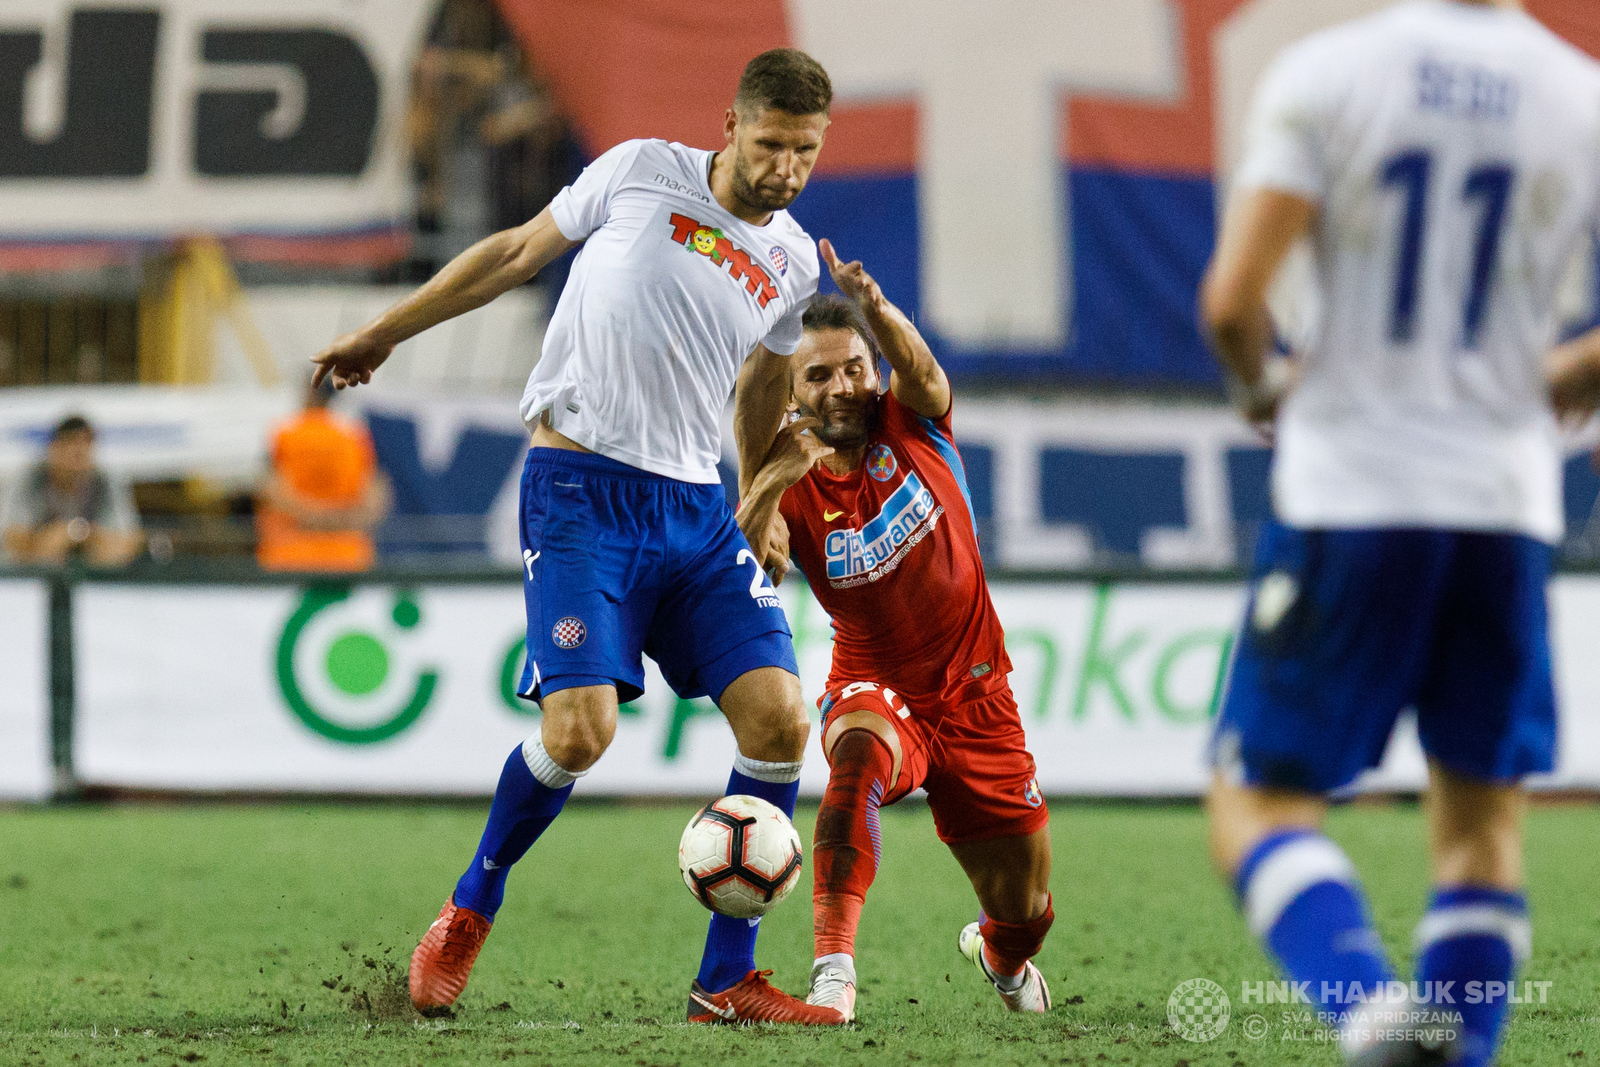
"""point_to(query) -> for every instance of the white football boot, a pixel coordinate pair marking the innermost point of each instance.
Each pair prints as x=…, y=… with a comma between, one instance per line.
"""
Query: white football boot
x=1032, y=995
x=833, y=985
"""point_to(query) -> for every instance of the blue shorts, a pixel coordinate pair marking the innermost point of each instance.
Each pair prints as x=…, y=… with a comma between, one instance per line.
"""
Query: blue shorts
x=1345, y=629
x=619, y=561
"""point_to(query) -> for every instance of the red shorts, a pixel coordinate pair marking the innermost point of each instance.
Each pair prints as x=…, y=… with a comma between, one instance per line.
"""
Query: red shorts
x=973, y=761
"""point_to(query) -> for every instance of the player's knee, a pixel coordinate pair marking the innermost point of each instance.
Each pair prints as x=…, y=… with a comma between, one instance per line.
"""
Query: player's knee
x=576, y=751
x=787, y=730
x=858, y=748
x=576, y=732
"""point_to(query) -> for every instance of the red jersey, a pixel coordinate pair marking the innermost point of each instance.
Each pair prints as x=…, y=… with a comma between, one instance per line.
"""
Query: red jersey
x=891, y=552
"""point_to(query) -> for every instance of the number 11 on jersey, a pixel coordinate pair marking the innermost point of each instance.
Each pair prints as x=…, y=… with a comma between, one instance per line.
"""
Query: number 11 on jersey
x=1412, y=172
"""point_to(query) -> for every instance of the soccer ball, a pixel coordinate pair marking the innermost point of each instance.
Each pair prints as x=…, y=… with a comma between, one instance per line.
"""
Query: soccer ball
x=739, y=856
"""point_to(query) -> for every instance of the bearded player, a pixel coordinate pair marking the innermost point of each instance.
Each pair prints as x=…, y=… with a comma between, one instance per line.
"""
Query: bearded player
x=690, y=265
x=873, y=497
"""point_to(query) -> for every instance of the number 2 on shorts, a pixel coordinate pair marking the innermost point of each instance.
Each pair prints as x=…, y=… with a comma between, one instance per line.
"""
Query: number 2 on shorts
x=759, y=586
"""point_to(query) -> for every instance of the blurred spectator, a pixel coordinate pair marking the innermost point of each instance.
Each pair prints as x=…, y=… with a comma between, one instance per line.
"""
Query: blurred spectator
x=489, y=148
x=65, y=506
x=317, y=508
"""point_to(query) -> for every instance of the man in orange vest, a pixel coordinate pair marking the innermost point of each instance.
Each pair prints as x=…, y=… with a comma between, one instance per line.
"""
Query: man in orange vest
x=316, y=510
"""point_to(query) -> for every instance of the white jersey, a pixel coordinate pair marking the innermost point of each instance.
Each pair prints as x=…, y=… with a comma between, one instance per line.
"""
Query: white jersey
x=667, y=298
x=1454, y=151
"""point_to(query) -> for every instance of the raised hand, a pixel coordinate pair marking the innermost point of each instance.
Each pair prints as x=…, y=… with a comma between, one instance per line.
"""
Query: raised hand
x=851, y=278
x=795, y=451
x=350, y=360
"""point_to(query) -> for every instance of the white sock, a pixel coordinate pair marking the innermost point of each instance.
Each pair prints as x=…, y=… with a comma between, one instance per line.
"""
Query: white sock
x=764, y=771
x=549, y=773
x=842, y=961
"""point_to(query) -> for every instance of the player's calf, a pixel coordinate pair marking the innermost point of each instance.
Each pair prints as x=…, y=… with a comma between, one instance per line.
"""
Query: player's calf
x=1011, y=876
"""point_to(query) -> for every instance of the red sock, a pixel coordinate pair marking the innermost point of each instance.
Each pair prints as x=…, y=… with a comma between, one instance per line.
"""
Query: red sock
x=1008, y=946
x=844, y=856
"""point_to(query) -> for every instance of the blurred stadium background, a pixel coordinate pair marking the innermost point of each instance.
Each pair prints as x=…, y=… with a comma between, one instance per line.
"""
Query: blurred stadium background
x=196, y=195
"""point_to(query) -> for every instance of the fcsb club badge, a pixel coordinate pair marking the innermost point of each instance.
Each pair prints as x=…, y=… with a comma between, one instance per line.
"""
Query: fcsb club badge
x=881, y=463
x=1030, y=793
x=569, y=632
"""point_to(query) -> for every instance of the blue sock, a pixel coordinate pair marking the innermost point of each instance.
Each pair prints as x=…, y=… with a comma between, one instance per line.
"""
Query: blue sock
x=1474, y=934
x=1302, y=897
x=731, y=943
x=524, y=805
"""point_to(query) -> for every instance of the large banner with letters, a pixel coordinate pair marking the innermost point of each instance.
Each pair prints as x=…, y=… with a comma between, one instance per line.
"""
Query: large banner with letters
x=270, y=122
x=1035, y=182
x=376, y=689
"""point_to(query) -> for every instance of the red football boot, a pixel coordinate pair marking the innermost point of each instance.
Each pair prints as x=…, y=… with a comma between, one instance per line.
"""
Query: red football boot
x=442, y=962
x=755, y=1000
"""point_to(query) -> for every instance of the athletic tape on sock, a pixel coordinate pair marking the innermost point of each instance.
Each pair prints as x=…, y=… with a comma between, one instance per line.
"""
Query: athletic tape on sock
x=1477, y=919
x=763, y=771
x=1289, y=870
x=546, y=770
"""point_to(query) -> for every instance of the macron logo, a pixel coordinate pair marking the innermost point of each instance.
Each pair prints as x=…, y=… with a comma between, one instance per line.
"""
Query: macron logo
x=715, y=246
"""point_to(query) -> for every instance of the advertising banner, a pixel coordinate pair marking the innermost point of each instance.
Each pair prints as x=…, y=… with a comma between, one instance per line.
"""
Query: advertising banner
x=275, y=122
x=376, y=689
x=1035, y=183
x=25, y=696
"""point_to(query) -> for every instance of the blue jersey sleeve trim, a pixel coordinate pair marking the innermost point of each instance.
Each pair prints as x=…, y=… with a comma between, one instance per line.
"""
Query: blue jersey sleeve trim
x=952, y=459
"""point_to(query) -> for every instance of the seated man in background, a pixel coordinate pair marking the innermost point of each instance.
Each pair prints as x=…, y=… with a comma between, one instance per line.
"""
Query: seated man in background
x=317, y=508
x=65, y=505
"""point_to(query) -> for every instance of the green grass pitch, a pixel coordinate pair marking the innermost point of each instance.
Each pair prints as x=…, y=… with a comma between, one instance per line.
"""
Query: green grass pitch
x=278, y=934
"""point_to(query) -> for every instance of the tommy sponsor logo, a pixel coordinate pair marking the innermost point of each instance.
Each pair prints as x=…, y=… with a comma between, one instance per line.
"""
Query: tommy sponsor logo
x=569, y=632
x=855, y=556
x=715, y=246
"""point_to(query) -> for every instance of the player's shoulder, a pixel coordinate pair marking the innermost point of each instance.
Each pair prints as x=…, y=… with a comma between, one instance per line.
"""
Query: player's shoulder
x=898, y=419
x=1555, y=56
x=1330, y=49
x=626, y=154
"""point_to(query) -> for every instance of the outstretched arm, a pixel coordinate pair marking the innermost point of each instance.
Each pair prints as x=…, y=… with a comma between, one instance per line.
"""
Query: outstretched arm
x=1259, y=229
x=793, y=452
x=496, y=264
x=915, y=377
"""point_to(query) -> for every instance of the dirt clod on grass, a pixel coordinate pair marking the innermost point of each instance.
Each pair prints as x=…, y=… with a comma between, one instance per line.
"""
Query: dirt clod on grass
x=383, y=994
